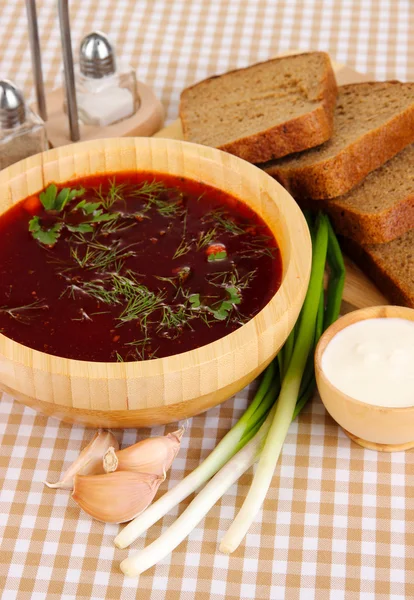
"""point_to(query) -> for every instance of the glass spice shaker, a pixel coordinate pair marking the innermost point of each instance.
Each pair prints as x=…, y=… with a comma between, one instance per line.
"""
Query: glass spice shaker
x=22, y=132
x=105, y=94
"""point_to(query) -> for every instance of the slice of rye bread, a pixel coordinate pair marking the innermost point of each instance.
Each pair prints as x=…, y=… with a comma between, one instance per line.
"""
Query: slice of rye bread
x=373, y=122
x=390, y=266
x=380, y=208
x=265, y=111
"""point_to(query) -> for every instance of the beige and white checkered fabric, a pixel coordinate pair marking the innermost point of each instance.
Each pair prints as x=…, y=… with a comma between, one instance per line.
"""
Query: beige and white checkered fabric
x=338, y=521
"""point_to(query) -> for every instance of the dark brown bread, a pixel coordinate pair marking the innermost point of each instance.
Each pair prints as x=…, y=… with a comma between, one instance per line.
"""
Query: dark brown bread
x=380, y=208
x=390, y=266
x=265, y=111
x=373, y=122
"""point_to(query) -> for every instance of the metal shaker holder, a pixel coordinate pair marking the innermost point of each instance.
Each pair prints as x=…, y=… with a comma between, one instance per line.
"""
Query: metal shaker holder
x=147, y=121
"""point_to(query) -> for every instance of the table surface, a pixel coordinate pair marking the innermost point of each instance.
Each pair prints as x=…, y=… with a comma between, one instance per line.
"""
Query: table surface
x=338, y=521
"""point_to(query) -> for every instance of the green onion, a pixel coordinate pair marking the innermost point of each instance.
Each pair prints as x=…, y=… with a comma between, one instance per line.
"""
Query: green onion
x=326, y=316
x=233, y=441
x=288, y=397
x=336, y=279
x=139, y=562
x=287, y=385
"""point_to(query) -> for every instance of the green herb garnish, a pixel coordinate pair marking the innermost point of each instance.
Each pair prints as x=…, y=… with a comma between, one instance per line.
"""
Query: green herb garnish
x=205, y=238
x=256, y=247
x=194, y=300
x=20, y=313
x=52, y=200
x=79, y=228
x=183, y=248
x=45, y=235
x=141, y=304
x=174, y=318
x=100, y=257
x=222, y=312
x=215, y=256
x=225, y=222
x=87, y=207
x=93, y=213
x=232, y=278
x=139, y=350
x=114, y=194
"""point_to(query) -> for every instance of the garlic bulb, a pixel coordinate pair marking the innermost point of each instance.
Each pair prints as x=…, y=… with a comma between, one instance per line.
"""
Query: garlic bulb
x=153, y=455
x=115, y=497
x=89, y=461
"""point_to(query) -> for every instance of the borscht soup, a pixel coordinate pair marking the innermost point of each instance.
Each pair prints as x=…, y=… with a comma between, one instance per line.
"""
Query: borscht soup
x=132, y=266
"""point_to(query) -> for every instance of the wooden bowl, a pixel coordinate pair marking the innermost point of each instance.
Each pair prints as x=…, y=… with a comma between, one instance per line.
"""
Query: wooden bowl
x=374, y=427
x=167, y=389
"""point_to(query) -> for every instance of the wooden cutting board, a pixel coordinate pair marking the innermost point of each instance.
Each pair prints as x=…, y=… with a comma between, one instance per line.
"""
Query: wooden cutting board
x=359, y=291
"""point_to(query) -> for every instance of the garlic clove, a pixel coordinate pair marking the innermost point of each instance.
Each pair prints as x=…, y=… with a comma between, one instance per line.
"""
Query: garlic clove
x=152, y=455
x=110, y=460
x=89, y=461
x=115, y=497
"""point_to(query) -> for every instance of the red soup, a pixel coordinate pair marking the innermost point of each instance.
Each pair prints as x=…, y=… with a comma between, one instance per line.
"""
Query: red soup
x=132, y=266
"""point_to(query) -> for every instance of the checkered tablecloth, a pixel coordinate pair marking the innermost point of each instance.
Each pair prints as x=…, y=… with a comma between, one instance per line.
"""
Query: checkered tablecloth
x=338, y=521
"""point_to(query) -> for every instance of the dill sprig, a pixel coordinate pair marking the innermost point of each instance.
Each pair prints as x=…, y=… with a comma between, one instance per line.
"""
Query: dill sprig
x=83, y=316
x=173, y=280
x=169, y=208
x=232, y=278
x=177, y=281
x=139, y=349
x=258, y=246
x=205, y=238
x=225, y=222
x=139, y=302
x=116, y=226
x=113, y=195
x=149, y=190
x=126, y=285
x=254, y=251
x=100, y=257
x=95, y=289
x=166, y=208
x=155, y=194
x=175, y=317
x=183, y=247
x=207, y=319
x=141, y=305
x=16, y=312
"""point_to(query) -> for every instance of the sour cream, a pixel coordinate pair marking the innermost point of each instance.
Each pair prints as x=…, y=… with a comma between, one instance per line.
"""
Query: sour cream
x=373, y=361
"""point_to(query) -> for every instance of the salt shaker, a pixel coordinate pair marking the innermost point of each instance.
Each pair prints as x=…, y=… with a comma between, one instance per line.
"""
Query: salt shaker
x=105, y=94
x=22, y=131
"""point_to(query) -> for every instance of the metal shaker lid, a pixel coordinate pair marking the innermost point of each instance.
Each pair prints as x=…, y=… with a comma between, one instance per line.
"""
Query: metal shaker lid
x=12, y=106
x=97, y=56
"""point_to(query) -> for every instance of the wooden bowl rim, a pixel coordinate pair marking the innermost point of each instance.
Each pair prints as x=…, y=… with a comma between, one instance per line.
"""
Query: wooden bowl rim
x=355, y=316
x=168, y=364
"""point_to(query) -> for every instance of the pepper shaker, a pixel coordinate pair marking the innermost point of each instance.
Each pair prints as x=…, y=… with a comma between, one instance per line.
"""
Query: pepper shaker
x=105, y=94
x=22, y=131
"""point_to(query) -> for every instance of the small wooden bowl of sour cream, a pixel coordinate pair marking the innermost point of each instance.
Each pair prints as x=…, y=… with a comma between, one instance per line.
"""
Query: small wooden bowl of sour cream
x=364, y=365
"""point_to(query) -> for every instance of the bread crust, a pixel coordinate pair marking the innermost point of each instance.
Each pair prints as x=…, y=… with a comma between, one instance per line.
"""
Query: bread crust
x=373, y=228
x=337, y=175
x=386, y=280
x=304, y=132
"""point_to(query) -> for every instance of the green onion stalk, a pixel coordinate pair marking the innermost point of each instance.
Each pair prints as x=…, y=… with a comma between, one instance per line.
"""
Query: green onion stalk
x=286, y=386
x=288, y=397
x=240, y=434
